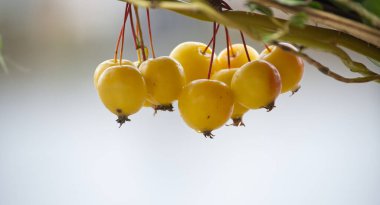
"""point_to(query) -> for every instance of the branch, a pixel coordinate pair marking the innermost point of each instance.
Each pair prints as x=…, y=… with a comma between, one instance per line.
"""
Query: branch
x=258, y=26
x=325, y=70
x=345, y=25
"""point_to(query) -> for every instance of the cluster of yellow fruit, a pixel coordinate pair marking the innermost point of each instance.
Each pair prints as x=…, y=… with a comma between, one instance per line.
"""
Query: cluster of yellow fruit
x=206, y=100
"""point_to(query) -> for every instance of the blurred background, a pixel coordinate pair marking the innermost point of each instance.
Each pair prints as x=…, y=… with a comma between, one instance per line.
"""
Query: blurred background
x=59, y=145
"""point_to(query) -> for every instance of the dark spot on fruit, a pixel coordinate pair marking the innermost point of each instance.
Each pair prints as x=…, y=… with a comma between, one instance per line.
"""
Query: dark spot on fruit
x=208, y=116
x=119, y=111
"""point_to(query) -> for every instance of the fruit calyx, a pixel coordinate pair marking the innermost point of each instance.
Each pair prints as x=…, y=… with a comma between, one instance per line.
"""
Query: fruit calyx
x=237, y=122
x=121, y=119
x=168, y=107
x=270, y=106
x=295, y=90
x=208, y=134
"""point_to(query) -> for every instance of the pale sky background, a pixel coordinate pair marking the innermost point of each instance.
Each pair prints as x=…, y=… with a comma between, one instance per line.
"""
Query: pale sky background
x=59, y=145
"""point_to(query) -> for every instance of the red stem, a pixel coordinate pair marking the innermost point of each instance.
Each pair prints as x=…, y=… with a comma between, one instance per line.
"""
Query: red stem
x=117, y=45
x=119, y=38
x=213, y=50
x=141, y=40
x=228, y=46
x=245, y=46
x=150, y=33
x=126, y=14
x=133, y=28
x=267, y=47
x=209, y=43
x=226, y=6
x=231, y=47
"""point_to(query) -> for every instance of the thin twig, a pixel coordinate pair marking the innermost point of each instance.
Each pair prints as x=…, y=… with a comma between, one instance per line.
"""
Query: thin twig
x=213, y=51
x=325, y=70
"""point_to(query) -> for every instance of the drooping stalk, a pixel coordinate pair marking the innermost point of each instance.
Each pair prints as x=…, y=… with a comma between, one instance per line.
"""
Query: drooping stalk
x=209, y=43
x=141, y=39
x=133, y=28
x=150, y=33
x=245, y=46
x=213, y=51
x=228, y=46
x=126, y=14
x=127, y=5
x=267, y=47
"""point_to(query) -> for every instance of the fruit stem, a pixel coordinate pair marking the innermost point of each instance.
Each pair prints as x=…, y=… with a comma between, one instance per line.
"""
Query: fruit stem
x=245, y=46
x=141, y=39
x=231, y=47
x=228, y=46
x=120, y=34
x=117, y=45
x=226, y=6
x=126, y=14
x=133, y=28
x=267, y=47
x=209, y=43
x=213, y=50
x=150, y=33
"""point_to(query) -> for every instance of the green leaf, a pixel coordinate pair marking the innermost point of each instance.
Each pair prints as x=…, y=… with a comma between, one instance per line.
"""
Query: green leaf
x=294, y=2
x=373, y=6
x=315, y=5
x=260, y=8
x=299, y=20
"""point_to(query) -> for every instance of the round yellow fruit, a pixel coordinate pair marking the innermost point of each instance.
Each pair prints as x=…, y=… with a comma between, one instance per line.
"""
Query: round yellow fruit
x=106, y=64
x=122, y=90
x=148, y=104
x=289, y=66
x=164, y=78
x=238, y=56
x=225, y=76
x=195, y=63
x=206, y=105
x=256, y=85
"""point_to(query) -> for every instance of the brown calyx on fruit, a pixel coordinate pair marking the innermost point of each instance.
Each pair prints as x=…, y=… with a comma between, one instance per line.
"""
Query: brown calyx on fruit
x=295, y=90
x=121, y=119
x=237, y=122
x=270, y=106
x=168, y=107
x=208, y=134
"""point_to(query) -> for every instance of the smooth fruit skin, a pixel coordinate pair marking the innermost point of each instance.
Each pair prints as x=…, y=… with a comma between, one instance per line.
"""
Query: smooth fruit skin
x=148, y=104
x=164, y=78
x=289, y=66
x=225, y=76
x=194, y=62
x=106, y=64
x=256, y=84
x=206, y=105
x=238, y=58
x=122, y=90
